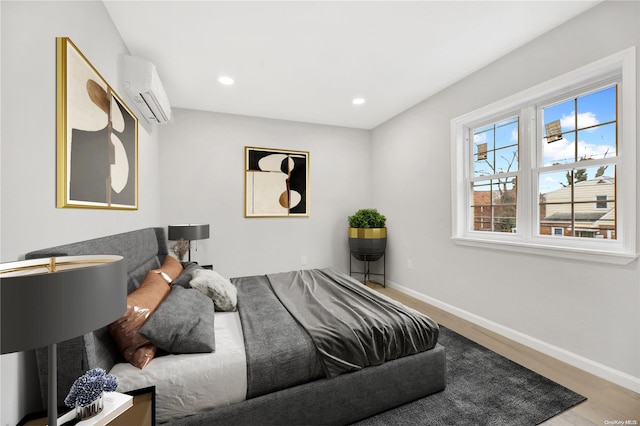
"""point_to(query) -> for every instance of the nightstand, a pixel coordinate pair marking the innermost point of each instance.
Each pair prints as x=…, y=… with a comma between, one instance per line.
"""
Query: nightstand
x=142, y=413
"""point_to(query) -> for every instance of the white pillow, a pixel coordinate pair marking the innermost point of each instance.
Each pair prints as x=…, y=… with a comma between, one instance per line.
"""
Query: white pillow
x=219, y=289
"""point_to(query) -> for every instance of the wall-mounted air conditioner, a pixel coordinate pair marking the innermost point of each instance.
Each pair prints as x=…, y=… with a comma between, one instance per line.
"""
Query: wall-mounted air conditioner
x=143, y=86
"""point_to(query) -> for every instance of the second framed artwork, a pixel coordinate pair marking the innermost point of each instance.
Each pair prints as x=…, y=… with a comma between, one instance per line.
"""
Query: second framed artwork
x=276, y=182
x=97, y=146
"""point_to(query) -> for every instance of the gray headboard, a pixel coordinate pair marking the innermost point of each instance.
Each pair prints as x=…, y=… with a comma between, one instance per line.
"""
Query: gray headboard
x=142, y=250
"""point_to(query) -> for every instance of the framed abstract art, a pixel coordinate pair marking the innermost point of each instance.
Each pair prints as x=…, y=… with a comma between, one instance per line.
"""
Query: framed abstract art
x=97, y=137
x=276, y=182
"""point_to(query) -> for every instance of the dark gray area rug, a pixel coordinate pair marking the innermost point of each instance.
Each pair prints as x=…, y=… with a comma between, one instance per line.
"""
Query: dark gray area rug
x=483, y=388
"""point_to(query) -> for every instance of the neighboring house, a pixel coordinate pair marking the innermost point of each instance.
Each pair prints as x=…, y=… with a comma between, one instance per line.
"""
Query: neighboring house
x=495, y=210
x=591, y=214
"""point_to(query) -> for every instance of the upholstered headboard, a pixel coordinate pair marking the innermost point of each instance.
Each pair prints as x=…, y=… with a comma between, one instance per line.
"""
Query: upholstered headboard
x=142, y=250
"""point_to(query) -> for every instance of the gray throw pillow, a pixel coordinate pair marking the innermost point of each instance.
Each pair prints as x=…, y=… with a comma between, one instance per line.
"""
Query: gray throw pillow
x=186, y=275
x=183, y=323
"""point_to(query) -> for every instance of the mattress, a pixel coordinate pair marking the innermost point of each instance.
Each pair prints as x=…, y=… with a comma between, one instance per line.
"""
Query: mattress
x=189, y=383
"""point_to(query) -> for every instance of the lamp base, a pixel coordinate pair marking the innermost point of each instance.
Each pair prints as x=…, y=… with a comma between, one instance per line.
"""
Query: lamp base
x=52, y=408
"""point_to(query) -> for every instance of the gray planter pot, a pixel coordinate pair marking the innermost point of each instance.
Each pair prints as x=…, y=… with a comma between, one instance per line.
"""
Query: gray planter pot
x=367, y=244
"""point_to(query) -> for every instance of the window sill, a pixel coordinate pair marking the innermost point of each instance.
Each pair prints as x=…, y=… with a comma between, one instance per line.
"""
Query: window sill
x=585, y=255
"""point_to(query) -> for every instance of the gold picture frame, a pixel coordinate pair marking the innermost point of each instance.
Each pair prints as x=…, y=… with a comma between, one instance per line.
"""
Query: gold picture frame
x=97, y=137
x=276, y=182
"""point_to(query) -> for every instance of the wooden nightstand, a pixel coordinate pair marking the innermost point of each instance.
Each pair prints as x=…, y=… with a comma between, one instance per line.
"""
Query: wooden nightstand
x=142, y=413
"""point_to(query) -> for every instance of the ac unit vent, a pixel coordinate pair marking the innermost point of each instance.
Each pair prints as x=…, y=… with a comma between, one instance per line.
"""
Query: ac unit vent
x=143, y=86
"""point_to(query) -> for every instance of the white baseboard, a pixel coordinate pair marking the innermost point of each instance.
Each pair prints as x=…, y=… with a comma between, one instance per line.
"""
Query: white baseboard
x=618, y=377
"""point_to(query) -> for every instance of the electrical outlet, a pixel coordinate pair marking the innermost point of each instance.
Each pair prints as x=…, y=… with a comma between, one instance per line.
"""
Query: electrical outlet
x=410, y=263
x=303, y=260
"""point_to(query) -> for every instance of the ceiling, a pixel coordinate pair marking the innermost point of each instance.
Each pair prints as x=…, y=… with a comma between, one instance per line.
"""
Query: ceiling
x=307, y=60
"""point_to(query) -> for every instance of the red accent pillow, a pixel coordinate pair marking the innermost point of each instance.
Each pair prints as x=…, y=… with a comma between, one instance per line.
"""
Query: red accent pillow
x=141, y=303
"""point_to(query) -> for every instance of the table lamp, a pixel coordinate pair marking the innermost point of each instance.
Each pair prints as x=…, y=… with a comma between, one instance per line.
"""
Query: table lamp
x=189, y=233
x=47, y=301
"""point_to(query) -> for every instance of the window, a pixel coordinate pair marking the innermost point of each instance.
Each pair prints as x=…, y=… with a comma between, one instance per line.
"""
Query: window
x=551, y=170
x=494, y=183
x=579, y=156
x=601, y=202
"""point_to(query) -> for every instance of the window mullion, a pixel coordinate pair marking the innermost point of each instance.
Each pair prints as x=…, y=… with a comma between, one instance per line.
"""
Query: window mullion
x=526, y=207
x=496, y=176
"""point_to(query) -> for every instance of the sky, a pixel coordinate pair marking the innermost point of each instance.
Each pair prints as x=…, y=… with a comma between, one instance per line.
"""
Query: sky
x=594, y=109
x=594, y=114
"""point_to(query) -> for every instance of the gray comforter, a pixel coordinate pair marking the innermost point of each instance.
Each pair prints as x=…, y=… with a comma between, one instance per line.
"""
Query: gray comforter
x=304, y=325
x=351, y=325
x=280, y=353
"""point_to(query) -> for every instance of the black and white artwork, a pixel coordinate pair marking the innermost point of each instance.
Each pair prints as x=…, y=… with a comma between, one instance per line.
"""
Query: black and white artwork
x=276, y=182
x=97, y=138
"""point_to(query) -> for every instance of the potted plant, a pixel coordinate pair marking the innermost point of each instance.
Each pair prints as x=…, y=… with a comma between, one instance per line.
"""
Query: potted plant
x=367, y=235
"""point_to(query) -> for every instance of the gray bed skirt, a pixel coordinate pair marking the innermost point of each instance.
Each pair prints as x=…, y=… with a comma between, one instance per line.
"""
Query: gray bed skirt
x=342, y=400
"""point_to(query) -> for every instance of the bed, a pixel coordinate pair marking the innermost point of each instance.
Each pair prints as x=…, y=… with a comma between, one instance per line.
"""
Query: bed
x=277, y=360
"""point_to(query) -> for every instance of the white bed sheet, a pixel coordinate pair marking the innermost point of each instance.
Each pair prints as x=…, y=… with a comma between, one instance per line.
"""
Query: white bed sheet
x=188, y=383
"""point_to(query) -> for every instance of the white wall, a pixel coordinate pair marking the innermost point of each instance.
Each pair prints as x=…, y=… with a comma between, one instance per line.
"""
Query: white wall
x=202, y=161
x=588, y=309
x=29, y=217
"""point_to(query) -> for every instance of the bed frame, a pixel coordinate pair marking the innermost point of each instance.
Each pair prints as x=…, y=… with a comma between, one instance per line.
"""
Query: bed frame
x=341, y=400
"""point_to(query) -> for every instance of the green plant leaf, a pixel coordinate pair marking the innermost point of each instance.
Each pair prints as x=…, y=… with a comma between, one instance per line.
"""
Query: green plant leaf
x=367, y=218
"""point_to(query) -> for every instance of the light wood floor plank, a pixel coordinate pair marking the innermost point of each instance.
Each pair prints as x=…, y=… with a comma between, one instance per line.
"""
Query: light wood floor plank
x=606, y=400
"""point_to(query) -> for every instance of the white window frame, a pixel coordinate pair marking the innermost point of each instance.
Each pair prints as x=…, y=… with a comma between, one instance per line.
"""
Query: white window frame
x=620, y=66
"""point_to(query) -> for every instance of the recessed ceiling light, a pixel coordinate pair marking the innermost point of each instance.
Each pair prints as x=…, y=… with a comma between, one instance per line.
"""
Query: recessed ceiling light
x=358, y=101
x=227, y=81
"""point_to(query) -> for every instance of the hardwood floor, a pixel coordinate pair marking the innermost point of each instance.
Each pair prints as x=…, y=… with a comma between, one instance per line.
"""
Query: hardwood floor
x=606, y=402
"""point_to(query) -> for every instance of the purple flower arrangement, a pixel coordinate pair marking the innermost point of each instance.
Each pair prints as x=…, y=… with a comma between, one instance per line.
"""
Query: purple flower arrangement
x=88, y=387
